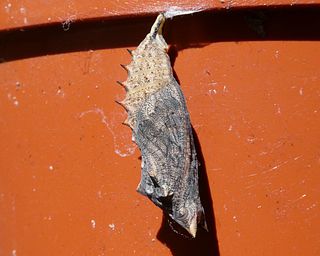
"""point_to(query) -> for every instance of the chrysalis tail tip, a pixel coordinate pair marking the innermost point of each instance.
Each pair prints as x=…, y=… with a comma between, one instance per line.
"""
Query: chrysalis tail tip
x=193, y=227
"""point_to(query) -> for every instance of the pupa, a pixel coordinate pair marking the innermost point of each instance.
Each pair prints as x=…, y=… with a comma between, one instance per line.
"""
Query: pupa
x=160, y=123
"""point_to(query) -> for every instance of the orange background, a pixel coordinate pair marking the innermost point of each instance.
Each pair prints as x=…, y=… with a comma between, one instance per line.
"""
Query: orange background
x=68, y=168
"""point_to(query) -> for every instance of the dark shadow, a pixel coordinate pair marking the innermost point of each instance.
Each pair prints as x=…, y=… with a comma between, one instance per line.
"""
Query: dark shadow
x=173, y=54
x=195, y=30
x=205, y=243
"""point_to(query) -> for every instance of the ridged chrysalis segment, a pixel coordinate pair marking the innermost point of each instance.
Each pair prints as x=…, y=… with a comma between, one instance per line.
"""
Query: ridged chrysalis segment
x=160, y=123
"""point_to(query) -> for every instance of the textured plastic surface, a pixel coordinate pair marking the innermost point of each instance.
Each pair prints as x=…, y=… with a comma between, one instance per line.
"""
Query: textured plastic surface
x=68, y=168
x=18, y=13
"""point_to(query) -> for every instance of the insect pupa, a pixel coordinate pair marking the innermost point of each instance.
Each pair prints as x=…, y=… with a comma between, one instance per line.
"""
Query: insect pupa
x=160, y=123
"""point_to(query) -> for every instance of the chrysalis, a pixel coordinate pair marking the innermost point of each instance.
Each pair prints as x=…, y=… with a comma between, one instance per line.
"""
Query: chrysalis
x=160, y=123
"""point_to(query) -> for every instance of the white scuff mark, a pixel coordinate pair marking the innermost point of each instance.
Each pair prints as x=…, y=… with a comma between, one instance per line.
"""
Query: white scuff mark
x=7, y=7
x=173, y=11
x=50, y=168
x=49, y=19
x=278, y=109
x=299, y=198
x=213, y=83
x=275, y=167
x=99, y=194
x=14, y=252
x=16, y=103
x=235, y=219
x=230, y=128
x=277, y=53
x=294, y=201
x=66, y=24
x=60, y=92
x=225, y=207
x=278, y=191
x=47, y=217
x=297, y=157
x=13, y=99
x=225, y=89
x=311, y=206
x=251, y=139
x=213, y=91
x=272, y=147
x=129, y=149
x=23, y=10
x=112, y=226
x=301, y=91
x=259, y=206
x=93, y=224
